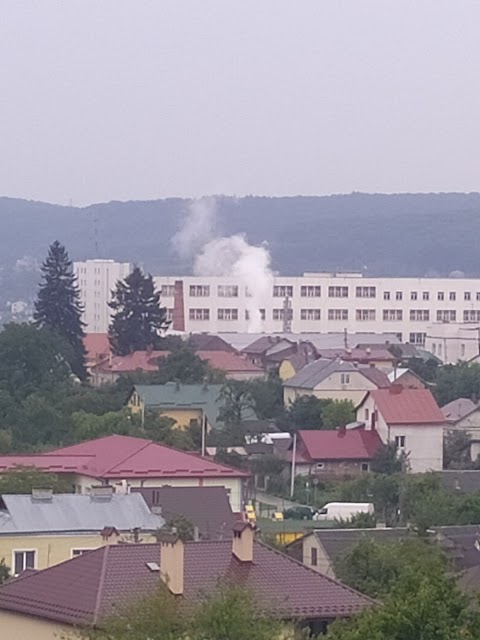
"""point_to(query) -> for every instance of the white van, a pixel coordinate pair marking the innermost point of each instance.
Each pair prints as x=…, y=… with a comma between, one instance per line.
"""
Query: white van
x=343, y=510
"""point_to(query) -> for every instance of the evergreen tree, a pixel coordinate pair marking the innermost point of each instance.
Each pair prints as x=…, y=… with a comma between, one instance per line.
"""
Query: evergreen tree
x=58, y=304
x=138, y=321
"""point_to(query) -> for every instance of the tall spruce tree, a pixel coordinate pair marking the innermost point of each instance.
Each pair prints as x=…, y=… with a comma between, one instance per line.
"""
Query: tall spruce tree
x=58, y=304
x=139, y=320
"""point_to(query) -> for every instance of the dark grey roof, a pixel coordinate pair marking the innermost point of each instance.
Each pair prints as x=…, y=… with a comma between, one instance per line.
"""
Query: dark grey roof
x=74, y=512
x=466, y=541
x=316, y=372
x=458, y=409
x=207, y=508
x=337, y=542
x=464, y=481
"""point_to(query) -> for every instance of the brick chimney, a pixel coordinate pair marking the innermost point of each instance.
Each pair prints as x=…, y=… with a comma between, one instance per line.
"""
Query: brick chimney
x=172, y=558
x=242, y=544
x=178, y=319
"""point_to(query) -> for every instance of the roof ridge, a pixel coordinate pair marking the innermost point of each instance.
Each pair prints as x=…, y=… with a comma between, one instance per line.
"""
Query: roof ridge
x=101, y=582
x=147, y=443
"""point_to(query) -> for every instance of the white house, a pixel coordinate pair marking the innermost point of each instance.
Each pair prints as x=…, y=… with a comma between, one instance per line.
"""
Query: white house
x=411, y=419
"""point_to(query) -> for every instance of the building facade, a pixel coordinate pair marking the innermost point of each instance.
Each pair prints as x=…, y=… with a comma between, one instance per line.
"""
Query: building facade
x=326, y=302
x=96, y=280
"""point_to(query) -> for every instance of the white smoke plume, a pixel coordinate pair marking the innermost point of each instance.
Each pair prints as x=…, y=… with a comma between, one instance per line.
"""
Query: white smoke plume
x=226, y=256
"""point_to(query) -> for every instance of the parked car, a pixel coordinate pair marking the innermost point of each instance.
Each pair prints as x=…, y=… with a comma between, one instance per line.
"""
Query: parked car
x=343, y=510
x=299, y=513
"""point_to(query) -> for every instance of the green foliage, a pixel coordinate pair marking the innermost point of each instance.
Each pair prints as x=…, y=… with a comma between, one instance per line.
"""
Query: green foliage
x=267, y=397
x=338, y=413
x=375, y=569
x=58, y=305
x=88, y=426
x=306, y=412
x=4, y=571
x=424, y=607
x=183, y=527
x=357, y=521
x=138, y=320
x=456, y=450
x=230, y=458
x=427, y=370
x=454, y=381
x=236, y=400
x=22, y=480
x=184, y=366
x=387, y=460
x=31, y=358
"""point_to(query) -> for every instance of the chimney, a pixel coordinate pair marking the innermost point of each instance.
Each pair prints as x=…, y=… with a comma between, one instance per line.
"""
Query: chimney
x=172, y=558
x=103, y=492
x=242, y=545
x=178, y=319
x=42, y=495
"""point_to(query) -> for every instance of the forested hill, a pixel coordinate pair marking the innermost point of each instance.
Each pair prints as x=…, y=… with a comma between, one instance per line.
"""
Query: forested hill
x=408, y=234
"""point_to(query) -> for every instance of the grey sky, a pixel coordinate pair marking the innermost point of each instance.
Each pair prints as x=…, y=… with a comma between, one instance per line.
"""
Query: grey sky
x=137, y=99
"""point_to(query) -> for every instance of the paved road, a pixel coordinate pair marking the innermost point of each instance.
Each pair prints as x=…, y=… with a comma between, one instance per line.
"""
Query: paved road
x=279, y=503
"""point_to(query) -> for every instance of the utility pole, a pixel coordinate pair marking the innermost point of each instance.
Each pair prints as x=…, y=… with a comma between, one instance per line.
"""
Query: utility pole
x=294, y=455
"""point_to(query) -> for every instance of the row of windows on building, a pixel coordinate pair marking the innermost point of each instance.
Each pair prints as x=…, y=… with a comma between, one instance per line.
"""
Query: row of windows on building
x=361, y=315
x=314, y=291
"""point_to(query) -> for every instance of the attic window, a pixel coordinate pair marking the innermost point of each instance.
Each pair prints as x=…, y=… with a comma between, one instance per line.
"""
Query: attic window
x=153, y=566
x=319, y=465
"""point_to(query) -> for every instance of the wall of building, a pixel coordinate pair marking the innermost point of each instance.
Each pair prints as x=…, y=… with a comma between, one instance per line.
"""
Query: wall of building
x=96, y=280
x=323, y=562
x=405, y=306
x=15, y=626
x=332, y=388
x=453, y=342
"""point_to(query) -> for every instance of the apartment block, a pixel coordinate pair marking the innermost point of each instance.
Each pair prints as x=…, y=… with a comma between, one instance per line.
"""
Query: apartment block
x=328, y=302
x=96, y=280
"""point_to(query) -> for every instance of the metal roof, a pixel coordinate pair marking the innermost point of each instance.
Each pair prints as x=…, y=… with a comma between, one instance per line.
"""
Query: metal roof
x=65, y=512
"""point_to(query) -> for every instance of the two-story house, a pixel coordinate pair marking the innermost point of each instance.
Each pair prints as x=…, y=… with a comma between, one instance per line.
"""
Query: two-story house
x=411, y=419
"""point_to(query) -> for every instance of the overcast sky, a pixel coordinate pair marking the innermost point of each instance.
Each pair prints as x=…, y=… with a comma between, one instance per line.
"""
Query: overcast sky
x=138, y=99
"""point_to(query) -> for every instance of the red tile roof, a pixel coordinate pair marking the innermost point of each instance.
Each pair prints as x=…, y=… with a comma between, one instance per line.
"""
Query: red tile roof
x=96, y=345
x=229, y=362
x=93, y=586
x=121, y=457
x=340, y=444
x=398, y=405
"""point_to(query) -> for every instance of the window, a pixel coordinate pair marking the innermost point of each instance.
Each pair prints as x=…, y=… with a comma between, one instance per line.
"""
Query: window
x=199, y=290
x=367, y=414
x=386, y=295
x=344, y=378
x=278, y=314
x=199, y=314
x=434, y=348
x=282, y=291
x=440, y=295
x=413, y=295
x=398, y=295
x=446, y=316
x=227, y=314
x=338, y=314
x=440, y=349
x=24, y=559
x=366, y=292
x=417, y=338
x=400, y=442
x=419, y=315
x=467, y=296
x=319, y=465
x=169, y=315
x=261, y=312
x=80, y=552
x=338, y=292
x=309, y=314
x=392, y=314
x=310, y=291
x=462, y=350
x=426, y=296
x=365, y=466
x=314, y=557
x=227, y=291
x=471, y=316
x=452, y=296
x=168, y=290
x=478, y=296
x=365, y=314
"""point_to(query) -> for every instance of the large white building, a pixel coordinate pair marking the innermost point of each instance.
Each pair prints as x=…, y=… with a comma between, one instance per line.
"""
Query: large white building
x=325, y=302
x=96, y=280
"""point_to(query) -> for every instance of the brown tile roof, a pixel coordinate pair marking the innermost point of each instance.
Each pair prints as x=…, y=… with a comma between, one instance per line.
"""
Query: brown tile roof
x=94, y=585
x=207, y=342
x=407, y=406
x=229, y=362
x=207, y=508
x=340, y=444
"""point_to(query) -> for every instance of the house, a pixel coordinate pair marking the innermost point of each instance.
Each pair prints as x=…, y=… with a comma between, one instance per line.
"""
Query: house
x=209, y=342
x=187, y=404
x=261, y=351
x=345, y=452
x=411, y=419
x=43, y=529
x=379, y=356
x=320, y=549
x=292, y=364
x=97, y=348
x=206, y=508
x=406, y=378
x=89, y=589
x=231, y=364
x=464, y=415
x=124, y=462
x=335, y=380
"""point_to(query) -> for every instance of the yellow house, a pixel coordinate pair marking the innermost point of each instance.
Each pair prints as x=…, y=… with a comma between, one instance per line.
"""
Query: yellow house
x=43, y=529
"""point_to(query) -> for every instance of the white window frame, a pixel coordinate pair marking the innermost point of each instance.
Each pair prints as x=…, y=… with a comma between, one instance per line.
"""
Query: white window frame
x=344, y=378
x=24, y=551
x=310, y=291
x=400, y=442
x=310, y=314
